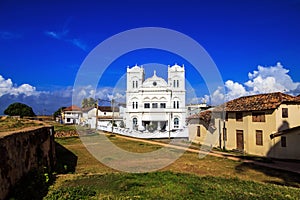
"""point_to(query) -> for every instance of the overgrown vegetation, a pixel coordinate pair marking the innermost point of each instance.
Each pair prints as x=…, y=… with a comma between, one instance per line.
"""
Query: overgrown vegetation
x=34, y=185
x=12, y=124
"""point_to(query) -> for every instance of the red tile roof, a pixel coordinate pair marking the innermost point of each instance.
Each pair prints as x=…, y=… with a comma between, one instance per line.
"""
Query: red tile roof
x=258, y=102
x=72, y=108
x=204, y=116
x=108, y=109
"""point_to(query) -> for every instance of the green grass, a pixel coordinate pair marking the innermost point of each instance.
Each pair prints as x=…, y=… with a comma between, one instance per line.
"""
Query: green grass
x=63, y=127
x=81, y=176
x=166, y=185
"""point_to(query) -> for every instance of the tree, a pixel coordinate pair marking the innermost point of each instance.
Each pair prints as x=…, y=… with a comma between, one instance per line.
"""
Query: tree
x=88, y=102
x=58, y=112
x=19, y=109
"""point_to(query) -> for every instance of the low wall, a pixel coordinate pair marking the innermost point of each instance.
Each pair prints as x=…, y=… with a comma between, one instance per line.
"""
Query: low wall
x=20, y=152
x=145, y=134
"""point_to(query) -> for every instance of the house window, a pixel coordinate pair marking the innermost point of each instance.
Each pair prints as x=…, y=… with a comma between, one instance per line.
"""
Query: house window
x=259, y=137
x=176, y=123
x=283, y=141
x=146, y=105
x=154, y=105
x=285, y=113
x=258, y=117
x=162, y=105
x=198, y=131
x=239, y=116
x=68, y=119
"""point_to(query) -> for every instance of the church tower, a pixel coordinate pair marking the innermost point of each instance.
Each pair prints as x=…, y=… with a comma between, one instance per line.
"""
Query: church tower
x=176, y=82
x=135, y=78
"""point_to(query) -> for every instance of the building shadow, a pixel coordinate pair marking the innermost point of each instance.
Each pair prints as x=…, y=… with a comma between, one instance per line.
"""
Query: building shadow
x=35, y=184
x=66, y=161
x=281, y=177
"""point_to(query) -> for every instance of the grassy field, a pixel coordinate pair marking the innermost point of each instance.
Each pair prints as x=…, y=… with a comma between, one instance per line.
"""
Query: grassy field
x=187, y=178
x=81, y=176
x=12, y=124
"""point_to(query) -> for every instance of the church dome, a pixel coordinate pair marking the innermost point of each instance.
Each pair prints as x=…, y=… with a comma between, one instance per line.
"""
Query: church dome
x=154, y=81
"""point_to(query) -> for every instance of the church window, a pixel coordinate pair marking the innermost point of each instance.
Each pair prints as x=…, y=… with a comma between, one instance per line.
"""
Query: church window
x=176, y=123
x=154, y=105
x=146, y=105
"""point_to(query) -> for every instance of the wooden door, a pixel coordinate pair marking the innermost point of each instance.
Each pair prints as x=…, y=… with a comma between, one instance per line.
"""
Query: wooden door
x=240, y=140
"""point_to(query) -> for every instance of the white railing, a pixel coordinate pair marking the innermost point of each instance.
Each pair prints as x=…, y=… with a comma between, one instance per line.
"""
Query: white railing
x=182, y=133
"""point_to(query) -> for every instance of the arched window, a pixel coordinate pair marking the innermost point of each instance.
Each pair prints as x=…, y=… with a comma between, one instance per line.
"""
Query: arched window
x=176, y=122
x=134, y=123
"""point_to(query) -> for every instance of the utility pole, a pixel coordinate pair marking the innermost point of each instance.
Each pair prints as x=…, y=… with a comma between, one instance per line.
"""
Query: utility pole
x=112, y=119
x=96, y=114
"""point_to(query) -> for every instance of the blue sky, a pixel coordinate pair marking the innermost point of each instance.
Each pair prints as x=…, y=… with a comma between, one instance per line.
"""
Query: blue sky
x=43, y=44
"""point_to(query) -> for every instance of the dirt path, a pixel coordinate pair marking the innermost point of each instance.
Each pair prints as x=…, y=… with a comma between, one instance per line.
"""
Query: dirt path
x=275, y=164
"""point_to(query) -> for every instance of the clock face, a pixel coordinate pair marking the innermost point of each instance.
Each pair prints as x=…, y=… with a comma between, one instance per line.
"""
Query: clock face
x=154, y=83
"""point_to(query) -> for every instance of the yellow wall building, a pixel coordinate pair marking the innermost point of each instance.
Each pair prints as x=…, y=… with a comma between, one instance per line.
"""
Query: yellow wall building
x=263, y=125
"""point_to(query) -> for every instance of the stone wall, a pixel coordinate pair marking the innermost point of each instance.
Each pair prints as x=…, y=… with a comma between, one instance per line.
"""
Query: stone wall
x=20, y=152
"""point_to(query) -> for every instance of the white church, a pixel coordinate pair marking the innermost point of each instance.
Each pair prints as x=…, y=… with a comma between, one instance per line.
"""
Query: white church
x=155, y=104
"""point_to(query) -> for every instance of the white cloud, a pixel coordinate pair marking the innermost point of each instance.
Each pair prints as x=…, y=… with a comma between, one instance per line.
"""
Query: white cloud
x=78, y=43
x=64, y=37
x=196, y=100
x=263, y=80
x=105, y=94
x=234, y=90
x=271, y=79
x=6, y=35
x=7, y=87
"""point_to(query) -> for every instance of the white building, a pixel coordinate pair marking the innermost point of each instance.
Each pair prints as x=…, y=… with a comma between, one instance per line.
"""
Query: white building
x=155, y=104
x=193, y=109
x=105, y=116
x=71, y=115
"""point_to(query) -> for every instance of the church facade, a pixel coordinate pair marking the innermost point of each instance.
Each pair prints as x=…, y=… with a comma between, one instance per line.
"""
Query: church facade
x=155, y=104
